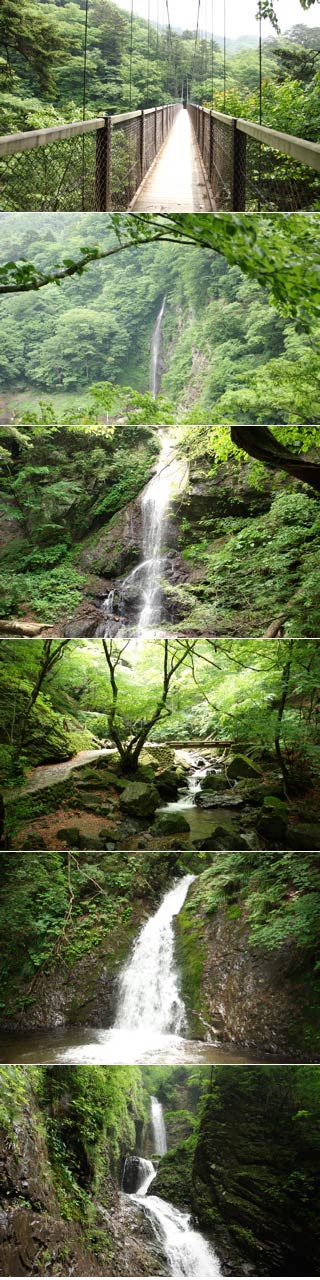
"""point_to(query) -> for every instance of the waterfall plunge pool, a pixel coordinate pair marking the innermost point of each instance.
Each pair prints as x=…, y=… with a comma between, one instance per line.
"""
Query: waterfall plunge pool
x=150, y=1024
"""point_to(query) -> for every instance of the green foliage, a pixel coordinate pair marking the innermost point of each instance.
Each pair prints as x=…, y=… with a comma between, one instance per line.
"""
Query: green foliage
x=279, y=896
x=107, y=891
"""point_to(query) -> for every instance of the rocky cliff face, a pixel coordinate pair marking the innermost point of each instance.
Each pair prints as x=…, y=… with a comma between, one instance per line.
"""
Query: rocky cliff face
x=262, y=1000
x=51, y=1218
x=34, y=1236
x=244, y=1187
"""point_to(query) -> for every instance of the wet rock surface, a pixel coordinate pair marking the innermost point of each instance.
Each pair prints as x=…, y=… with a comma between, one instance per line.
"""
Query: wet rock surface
x=257, y=998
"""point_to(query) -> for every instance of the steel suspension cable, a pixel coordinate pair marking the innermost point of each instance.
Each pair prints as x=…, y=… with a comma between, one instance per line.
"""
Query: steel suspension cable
x=195, y=44
x=171, y=45
x=147, y=51
x=224, y=55
x=212, y=50
x=84, y=98
x=131, y=54
x=158, y=8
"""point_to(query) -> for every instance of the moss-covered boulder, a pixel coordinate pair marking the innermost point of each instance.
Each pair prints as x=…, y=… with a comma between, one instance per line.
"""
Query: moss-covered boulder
x=168, y=783
x=273, y=821
x=213, y=781
x=141, y=799
x=305, y=835
x=239, y=766
x=222, y=836
x=169, y=824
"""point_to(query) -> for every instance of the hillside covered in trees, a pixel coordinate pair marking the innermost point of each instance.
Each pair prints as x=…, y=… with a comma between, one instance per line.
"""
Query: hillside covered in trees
x=42, y=75
x=78, y=1132
x=82, y=421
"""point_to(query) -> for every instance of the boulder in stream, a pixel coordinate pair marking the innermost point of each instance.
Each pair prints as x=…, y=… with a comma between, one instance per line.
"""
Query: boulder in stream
x=273, y=821
x=170, y=823
x=213, y=781
x=141, y=799
x=219, y=800
x=240, y=766
x=168, y=782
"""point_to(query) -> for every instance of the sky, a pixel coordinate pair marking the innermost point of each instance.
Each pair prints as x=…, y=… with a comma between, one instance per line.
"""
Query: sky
x=240, y=14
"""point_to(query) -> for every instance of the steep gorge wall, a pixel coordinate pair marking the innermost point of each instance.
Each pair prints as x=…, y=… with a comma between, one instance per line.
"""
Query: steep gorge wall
x=264, y=1000
x=62, y=1147
x=252, y=1157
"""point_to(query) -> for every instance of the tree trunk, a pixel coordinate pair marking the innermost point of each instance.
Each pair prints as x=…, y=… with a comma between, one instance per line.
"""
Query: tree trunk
x=260, y=443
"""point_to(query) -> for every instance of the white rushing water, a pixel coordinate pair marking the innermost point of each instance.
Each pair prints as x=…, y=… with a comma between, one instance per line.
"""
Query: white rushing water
x=149, y=997
x=156, y=351
x=158, y=1126
x=143, y=583
x=186, y=1251
x=169, y=478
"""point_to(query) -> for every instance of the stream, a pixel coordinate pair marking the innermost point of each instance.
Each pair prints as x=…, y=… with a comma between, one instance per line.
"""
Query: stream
x=150, y=1023
x=185, y=1249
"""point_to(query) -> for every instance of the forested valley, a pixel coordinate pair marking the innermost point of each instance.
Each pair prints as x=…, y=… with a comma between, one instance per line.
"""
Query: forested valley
x=121, y=793
x=121, y=1170
x=131, y=375
x=42, y=75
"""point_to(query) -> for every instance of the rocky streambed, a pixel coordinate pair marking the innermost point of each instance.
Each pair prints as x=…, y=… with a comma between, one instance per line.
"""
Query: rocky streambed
x=202, y=800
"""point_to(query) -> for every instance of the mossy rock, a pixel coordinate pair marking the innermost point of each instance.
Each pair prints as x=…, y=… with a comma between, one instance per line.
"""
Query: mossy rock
x=273, y=820
x=170, y=824
x=213, y=781
x=71, y=836
x=33, y=843
x=168, y=783
x=305, y=836
x=141, y=799
x=240, y=766
x=145, y=772
x=222, y=837
x=257, y=794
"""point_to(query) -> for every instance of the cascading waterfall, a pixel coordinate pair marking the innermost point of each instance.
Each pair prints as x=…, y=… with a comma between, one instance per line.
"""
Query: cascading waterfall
x=158, y=1126
x=186, y=1251
x=149, y=999
x=169, y=477
x=156, y=351
x=143, y=583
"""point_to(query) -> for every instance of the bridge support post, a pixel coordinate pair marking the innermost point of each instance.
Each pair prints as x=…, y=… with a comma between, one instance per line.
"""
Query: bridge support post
x=103, y=167
x=238, y=169
x=142, y=138
x=211, y=148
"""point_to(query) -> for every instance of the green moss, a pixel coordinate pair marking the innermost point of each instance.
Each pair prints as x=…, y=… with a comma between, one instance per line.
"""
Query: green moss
x=191, y=957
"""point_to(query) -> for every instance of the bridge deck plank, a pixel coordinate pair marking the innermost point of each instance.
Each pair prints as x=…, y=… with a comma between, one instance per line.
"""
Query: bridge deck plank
x=175, y=183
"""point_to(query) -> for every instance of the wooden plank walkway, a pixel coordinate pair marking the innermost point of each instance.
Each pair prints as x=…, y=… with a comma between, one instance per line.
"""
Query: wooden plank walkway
x=175, y=183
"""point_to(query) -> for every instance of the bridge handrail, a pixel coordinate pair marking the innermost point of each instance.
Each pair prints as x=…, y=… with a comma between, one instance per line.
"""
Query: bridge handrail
x=288, y=143
x=14, y=143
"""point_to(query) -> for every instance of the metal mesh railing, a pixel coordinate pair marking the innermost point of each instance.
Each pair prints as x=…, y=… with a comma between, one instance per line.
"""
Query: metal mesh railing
x=95, y=164
x=125, y=159
x=56, y=172
x=275, y=181
x=252, y=167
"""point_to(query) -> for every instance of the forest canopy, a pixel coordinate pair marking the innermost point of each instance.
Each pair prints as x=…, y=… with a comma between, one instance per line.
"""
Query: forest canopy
x=41, y=71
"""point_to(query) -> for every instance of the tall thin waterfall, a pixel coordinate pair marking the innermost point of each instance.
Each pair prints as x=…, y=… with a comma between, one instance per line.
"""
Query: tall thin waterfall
x=168, y=479
x=156, y=351
x=158, y=1126
x=149, y=998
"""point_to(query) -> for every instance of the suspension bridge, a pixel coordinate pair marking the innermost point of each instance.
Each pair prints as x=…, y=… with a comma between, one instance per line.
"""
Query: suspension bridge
x=180, y=156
